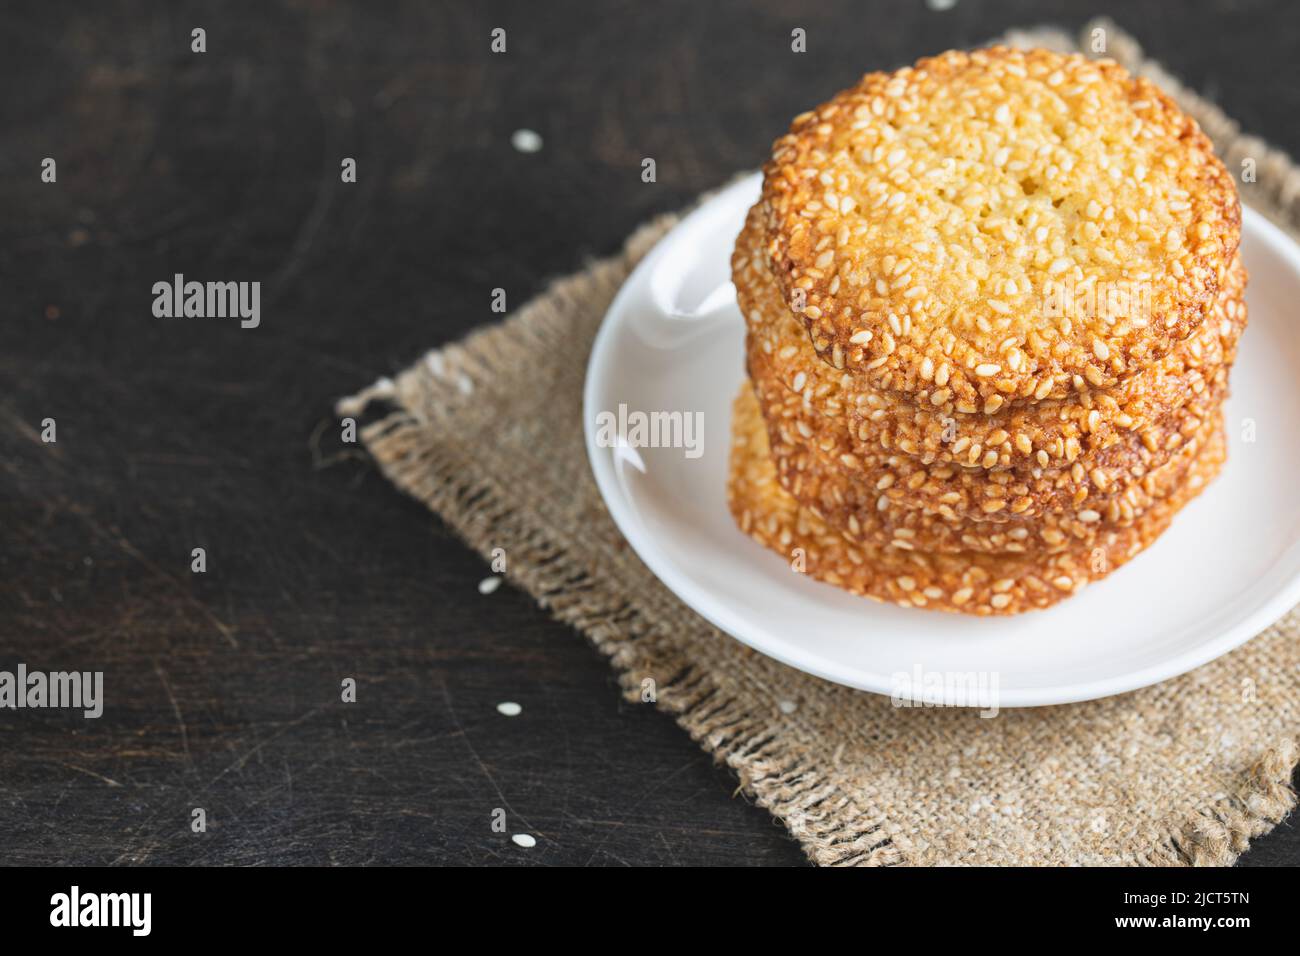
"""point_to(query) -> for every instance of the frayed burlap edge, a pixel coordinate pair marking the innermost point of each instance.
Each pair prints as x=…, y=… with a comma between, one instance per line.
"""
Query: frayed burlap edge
x=831, y=827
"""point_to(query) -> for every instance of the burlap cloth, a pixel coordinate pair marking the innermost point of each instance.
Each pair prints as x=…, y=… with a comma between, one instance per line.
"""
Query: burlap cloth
x=488, y=433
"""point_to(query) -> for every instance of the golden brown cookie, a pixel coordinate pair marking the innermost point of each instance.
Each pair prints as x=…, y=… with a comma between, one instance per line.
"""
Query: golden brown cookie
x=919, y=222
x=808, y=470
x=971, y=583
x=956, y=491
x=1051, y=434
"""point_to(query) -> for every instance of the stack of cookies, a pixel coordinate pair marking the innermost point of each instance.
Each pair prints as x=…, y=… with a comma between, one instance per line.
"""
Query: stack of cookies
x=992, y=302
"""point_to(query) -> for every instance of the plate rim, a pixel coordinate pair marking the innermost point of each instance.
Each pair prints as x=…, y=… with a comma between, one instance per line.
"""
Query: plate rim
x=716, y=612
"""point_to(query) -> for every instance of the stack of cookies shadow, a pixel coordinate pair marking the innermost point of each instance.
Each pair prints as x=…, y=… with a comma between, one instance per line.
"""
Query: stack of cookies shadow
x=992, y=302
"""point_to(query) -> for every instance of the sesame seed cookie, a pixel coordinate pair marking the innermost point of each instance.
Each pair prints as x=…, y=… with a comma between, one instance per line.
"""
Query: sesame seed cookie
x=955, y=490
x=1051, y=434
x=971, y=583
x=896, y=516
x=921, y=223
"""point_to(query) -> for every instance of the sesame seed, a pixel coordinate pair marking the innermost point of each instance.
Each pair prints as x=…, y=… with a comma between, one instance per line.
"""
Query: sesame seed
x=526, y=141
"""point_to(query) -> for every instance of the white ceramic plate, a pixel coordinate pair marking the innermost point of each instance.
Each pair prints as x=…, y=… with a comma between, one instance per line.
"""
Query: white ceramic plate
x=1227, y=568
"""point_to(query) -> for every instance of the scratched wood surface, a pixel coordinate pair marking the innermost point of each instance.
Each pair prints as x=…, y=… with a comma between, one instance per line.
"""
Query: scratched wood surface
x=223, y=688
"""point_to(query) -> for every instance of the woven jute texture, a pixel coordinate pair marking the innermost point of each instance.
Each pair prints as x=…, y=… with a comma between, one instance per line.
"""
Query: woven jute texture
x=488, y=434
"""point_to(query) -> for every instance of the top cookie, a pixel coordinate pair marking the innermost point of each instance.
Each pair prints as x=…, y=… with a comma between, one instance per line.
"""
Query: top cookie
x=998, y=227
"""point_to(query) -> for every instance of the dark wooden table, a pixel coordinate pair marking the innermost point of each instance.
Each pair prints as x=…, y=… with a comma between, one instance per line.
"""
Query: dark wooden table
x=223, y=688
